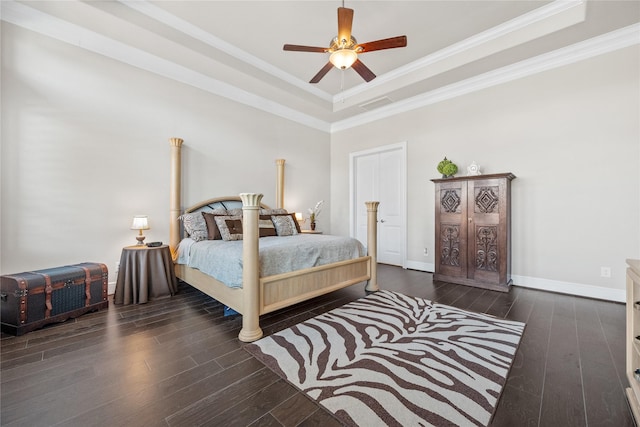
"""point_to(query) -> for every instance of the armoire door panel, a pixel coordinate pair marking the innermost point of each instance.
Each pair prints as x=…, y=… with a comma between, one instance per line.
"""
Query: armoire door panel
x=451, y=229
x=452, y=256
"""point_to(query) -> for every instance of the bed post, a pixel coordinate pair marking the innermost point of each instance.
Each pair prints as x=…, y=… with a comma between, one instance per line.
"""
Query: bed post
x=174, y=226
x=372, y=244
x=280, y=184
x=250, y=271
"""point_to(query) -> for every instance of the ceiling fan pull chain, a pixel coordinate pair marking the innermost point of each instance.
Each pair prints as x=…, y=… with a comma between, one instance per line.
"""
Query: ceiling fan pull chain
x=342, y=86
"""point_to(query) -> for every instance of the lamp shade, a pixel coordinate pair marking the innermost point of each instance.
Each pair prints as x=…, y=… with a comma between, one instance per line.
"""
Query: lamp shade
x=140, y=222
x=343, y=58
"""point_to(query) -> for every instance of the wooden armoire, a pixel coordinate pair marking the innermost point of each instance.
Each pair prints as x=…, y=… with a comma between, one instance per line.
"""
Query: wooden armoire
x=473, y=230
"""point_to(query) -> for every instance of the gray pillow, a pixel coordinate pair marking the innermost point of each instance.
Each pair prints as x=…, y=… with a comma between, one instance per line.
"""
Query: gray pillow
x=285, y=225
x=195, y=226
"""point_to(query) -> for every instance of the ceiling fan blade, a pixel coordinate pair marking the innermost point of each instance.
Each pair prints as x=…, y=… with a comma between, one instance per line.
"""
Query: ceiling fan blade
x=321, y=73
x=363, y=70
x=298, y=48
x=393, y=42
x=345, y=20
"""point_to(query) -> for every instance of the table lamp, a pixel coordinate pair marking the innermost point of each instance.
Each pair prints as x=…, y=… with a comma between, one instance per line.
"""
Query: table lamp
x=140, y=222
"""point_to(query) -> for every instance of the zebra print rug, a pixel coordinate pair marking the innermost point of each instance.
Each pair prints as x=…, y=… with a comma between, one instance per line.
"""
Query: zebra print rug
x=391, y=359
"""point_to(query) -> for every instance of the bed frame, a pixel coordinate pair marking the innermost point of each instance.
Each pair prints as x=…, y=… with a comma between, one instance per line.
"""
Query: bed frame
x=261, y=295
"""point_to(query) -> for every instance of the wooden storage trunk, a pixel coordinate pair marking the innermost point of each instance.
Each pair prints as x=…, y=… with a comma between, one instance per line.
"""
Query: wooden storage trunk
x=33, y=299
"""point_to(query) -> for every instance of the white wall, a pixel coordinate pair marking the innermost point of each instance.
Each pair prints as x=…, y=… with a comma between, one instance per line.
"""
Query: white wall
x=85, y=148
x=572, y=138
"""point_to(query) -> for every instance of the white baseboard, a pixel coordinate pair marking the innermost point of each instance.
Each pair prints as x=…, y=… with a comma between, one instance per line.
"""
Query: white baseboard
x=420, y=266
x=577, y=289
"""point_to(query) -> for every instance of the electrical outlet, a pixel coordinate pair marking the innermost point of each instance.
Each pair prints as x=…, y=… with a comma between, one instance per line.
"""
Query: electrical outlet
x=426, y=252
x=605, y=272
x=117, y=266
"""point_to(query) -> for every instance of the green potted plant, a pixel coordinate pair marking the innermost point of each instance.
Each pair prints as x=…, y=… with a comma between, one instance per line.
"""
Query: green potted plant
x=447, y=168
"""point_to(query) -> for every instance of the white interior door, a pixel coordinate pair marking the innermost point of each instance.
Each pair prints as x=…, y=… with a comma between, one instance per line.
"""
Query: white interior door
x=390, y=215
x=365, y=186
x=379, y=174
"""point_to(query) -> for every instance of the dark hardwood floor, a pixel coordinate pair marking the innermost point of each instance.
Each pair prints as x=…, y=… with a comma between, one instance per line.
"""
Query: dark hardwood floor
x=178, y=362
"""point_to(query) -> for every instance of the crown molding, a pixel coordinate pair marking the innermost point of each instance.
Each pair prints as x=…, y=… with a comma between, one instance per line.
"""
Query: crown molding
x=572, y=11
x=161, y=15
x=546, y=19
x=32, y=19
x=609, y=42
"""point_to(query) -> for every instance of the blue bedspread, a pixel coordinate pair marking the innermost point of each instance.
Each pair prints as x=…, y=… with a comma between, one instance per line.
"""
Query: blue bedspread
x=223, y=259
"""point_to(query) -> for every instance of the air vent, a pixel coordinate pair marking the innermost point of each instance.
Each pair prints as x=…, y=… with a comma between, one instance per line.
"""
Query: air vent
x=376, y=103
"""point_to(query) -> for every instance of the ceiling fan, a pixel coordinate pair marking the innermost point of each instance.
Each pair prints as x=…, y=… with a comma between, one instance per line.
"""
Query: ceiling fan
x=344, y=48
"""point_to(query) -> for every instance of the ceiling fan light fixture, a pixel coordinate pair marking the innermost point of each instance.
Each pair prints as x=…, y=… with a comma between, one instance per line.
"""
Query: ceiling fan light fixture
x=343, y=58
x=344, y=48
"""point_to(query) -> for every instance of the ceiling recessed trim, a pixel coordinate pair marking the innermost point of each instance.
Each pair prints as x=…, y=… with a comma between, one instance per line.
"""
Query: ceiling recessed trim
x=198, y=33
x=537, y=23
x=573, y=10
x=50, y=26
x=615, y=40
x=32, y=19
x=376, y=103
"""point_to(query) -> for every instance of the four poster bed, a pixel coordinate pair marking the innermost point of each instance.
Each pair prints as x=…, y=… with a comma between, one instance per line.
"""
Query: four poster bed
x=260, y=295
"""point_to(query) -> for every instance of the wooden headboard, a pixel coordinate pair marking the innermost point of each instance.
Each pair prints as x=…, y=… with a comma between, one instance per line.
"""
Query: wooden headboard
x=175, y=195
x=227, y=202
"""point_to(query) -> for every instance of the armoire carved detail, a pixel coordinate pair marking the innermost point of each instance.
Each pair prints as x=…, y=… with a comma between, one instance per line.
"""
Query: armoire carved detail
x=487, y=248
x=486, y=199
x=450, y=252
x=450, y=201
x=473, y=230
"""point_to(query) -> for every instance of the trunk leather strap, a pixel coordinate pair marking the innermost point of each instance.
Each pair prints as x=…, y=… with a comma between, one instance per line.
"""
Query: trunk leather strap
x=22, y=296
x=48, y=290
x=87, y=286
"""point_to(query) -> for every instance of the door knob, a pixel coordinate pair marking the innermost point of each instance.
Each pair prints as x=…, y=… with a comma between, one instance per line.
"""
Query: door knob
x=382, y=220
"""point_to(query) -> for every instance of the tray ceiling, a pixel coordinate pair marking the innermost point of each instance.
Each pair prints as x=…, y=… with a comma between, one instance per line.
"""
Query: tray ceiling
x=234, y=48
